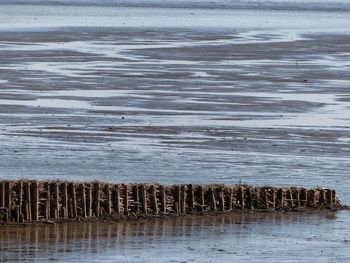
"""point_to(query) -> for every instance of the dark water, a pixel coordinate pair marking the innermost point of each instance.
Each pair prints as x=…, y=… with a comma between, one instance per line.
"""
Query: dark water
x=177, y=95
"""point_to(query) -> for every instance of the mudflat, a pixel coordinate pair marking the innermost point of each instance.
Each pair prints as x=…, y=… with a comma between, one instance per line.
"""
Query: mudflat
x=181, y=96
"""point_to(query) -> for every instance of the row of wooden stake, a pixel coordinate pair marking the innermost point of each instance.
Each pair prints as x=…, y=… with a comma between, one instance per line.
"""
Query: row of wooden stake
x=33, y=201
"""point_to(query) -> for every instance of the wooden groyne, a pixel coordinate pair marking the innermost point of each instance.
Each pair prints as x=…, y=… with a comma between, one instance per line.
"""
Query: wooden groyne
x=54, y=201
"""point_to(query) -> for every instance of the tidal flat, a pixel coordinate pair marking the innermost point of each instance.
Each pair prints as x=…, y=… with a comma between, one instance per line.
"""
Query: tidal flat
x=174, y=95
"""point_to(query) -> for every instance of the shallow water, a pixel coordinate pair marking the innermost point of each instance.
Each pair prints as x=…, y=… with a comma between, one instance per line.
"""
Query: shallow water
x=203, y=96
x=255, y=238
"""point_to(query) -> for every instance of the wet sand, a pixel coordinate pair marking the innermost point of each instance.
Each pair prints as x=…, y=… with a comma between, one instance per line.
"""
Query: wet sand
x=221, y=96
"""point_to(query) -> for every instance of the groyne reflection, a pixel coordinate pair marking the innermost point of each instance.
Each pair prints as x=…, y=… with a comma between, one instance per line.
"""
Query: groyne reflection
x=45, y=242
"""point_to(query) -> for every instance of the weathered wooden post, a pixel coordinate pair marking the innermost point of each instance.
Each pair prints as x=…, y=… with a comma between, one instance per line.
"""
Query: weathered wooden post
x=273, y=198
x=64, y=192
x=201, y=198
x=97, y=199
x=229, y=198
x=118, y=204
x=266, y=198
x=303, y=197
x=89, y=200
x=73, y=201
x=190, y=197
x=258, y=197
x=55, y=200
x=35, y=200
x=47, y=201
x=222, y=199
x=249, y=199
x=154, y=199
x=126, y=200
x=2, y=194
x=177, y=199
x=280, y=198
x=183, y=198
x=144, y=199
x=329, y=199
x=135, y=195
x=163, y=199
x=297, y=197
x=8, y=201
x=21, y=207
x=28, y=203
x=311, y=198
x=334, y=198
x=212, y=198
x=83, y=200
x=108, y=199
x=241, y=197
